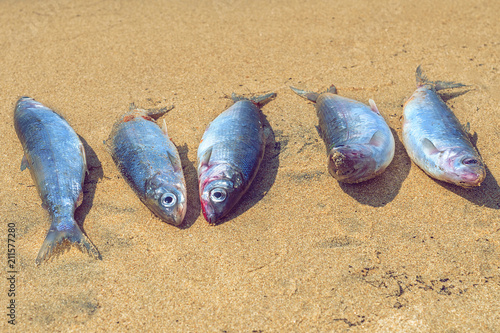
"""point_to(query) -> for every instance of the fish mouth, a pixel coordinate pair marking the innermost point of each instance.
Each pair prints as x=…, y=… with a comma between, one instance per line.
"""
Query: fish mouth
x=471, y=179
x=209, y=213
x=351, y=165
x=174, y=217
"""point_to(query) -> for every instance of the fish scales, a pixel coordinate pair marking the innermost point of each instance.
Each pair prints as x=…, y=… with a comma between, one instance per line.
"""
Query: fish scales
x=358, y=141
x=434, y=138
x=229, y=156
x=56, y=159
x=236, y=137
x=150, y=163
x=340, y=119
x=138, y=151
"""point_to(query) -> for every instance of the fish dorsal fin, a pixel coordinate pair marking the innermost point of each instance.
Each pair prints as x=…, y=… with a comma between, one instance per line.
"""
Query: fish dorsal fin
x=24, y=163
x=377, y=139
x=164, y=128
x=373, y=106
x=429, y=147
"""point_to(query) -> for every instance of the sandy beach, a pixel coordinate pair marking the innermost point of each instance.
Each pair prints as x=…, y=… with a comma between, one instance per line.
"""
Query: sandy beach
x=301, y=252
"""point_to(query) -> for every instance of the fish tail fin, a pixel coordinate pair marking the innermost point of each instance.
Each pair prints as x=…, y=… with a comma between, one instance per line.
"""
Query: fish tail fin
x=257, y=100
x=309, y=95
x=313, y=96
x=71, y=234
x=438, y=85
x=154, y=113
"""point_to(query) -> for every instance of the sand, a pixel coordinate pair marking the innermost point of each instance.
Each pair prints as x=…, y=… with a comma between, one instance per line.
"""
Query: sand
x=301, y=252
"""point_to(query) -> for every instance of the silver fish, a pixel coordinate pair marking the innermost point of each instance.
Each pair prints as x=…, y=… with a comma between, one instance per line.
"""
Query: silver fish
x=434, y=138
x=229, y=156
x=358, y=141
x=150, y=163
x=56, y=159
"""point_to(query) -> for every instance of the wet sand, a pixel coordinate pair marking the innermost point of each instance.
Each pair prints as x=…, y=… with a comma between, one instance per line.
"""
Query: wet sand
x=301, y=252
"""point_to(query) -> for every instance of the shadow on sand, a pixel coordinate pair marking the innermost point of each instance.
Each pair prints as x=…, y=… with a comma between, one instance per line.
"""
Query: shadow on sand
x=486, y=195
x=95, y=173
x=191, y=177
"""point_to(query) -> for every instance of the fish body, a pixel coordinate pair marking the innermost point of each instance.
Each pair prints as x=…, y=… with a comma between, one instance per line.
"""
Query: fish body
x=434, y=138
x=358, y=141
x=229, y=156
x=55, y=157
x=150, y=163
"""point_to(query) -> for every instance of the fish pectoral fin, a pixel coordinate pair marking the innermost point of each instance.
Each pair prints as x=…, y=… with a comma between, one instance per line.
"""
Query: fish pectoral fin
x=176, y=163
x=80, y=199
x=373, y=106
x=429, y=147
x=164, y=128
x=466, y=129
x=24, y=163
x=377, y=139
x=84, y=156
x=205, y=158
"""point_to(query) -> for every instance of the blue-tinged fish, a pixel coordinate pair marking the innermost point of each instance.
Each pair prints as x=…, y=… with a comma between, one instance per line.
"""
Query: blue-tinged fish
x=56, y=159
x=359, y=143
x=150, y=163
x=229, y=156
x=434, y=138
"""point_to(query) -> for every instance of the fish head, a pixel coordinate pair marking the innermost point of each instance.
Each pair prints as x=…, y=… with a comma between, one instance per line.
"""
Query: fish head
x=352, y=163
x=462, y=167
x=166, y=199
x=221, y=187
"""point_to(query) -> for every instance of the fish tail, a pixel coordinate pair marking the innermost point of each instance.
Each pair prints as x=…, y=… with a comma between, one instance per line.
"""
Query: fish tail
x=438, y=85
x=313, y=96
x=154, y=113
x=309, y=95
x=71, y=234
x=257, y=100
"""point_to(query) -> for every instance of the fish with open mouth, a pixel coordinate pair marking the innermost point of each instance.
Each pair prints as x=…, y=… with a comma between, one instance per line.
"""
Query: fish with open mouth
x=55, y=157
x=229, y=155
x=358, y=141
x=150, y=162
x=434, y=138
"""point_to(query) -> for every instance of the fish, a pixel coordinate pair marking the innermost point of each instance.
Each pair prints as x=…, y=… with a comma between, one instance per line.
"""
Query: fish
x=149, y=162
x=56, y=159
x=434, y=138
x=358, y=141
x=229, y=155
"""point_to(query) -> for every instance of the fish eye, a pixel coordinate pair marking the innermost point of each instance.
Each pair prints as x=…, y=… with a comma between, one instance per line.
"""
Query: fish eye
x=168, y=200
x=218, y=195
x=468, y=161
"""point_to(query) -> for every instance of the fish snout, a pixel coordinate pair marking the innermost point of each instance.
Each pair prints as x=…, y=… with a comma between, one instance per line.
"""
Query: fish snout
x=351, y=165
x=209, y=213
x=472, y=178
